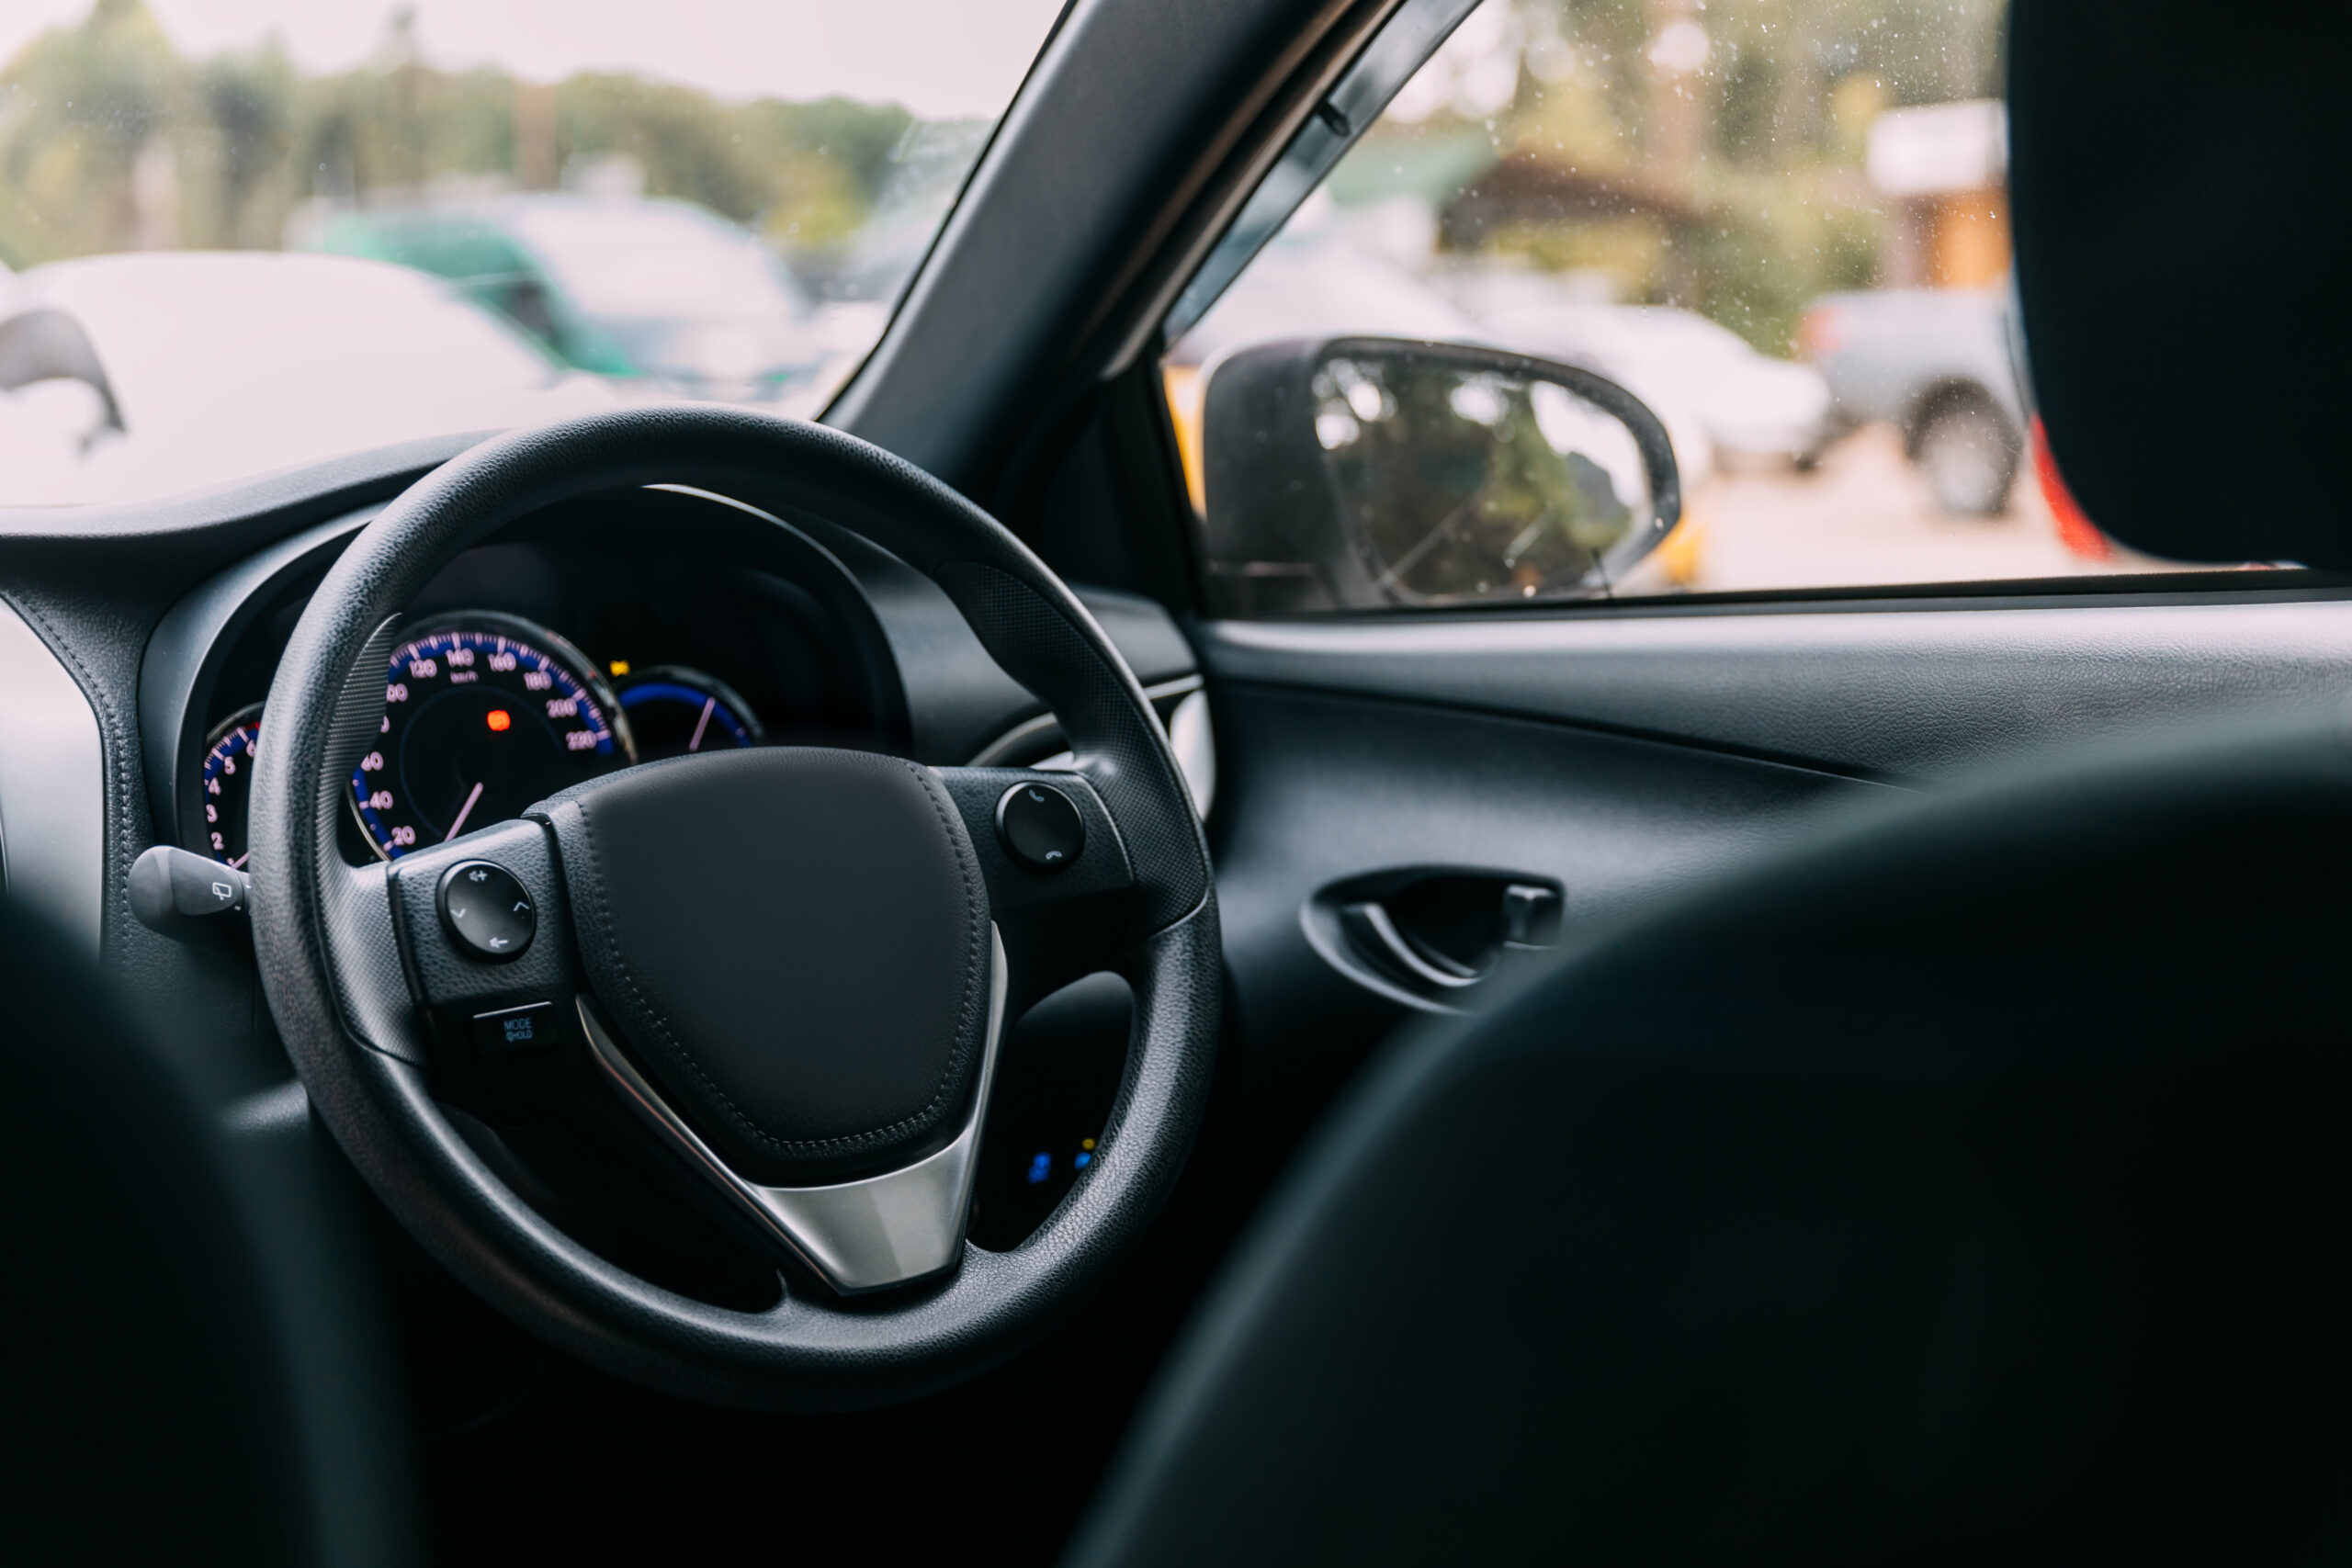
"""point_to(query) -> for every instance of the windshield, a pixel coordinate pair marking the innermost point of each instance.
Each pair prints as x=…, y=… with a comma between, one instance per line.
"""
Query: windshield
x=240, y=235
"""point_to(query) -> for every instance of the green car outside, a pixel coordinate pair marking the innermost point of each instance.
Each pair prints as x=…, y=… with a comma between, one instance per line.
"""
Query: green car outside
x=655, y=290
x=488, y=264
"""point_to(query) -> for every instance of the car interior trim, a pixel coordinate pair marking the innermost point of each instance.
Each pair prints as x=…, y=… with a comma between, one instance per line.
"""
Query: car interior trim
x=1896, y=695
x=961, y=702
x=182, y=663
x=1182, y=705
x=1193, y=739
x=1029, y=731
x=861, y=1236
x=1342, y=115
x=52, y=786
x=1155, y=280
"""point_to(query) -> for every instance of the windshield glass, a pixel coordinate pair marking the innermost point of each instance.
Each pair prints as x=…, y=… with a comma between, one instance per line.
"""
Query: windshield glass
x=239, y=234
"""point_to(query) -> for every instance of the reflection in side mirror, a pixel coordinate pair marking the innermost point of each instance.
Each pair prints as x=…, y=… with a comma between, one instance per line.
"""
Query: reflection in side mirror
x=1368, y=473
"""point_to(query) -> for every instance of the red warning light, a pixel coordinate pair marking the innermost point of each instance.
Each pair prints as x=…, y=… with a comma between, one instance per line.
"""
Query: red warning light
x=500, y=719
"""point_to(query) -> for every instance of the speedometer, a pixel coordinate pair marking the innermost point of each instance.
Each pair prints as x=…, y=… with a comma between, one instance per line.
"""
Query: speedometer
x=226, y=779
x=483, y=714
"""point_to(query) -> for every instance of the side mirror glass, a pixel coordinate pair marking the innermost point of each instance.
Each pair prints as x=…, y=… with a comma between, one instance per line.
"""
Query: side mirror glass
x=1373, y=473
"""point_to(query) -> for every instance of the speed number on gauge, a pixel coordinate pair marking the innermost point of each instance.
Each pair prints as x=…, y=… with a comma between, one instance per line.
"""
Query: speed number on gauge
x=482, y=716
x=226, y=780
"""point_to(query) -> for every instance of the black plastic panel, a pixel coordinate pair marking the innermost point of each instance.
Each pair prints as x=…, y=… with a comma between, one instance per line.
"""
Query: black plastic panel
x=1326, y=788
x=1921, y=691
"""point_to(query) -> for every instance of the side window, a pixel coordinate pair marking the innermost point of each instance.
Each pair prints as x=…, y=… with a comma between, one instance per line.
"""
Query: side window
x=1781, y=224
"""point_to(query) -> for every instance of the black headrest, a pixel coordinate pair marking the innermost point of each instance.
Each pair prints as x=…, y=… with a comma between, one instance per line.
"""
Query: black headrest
x=2181, y=177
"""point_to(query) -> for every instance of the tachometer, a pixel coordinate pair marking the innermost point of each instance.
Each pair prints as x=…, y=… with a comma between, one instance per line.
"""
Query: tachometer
x=483, y=714
x=675, y=712
x=226, y=780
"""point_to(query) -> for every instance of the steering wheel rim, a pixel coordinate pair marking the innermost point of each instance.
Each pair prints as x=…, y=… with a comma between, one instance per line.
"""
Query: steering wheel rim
x=324, y=933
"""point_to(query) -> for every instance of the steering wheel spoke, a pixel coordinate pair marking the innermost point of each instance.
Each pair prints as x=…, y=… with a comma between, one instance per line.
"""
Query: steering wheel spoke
x=866, y=1234
x=1060, y=883
x=487, y=943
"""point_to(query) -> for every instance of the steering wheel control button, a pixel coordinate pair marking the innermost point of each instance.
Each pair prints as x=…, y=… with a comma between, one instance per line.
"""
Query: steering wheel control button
x=486, y=911
x=1039, y=827
x=517, y=1030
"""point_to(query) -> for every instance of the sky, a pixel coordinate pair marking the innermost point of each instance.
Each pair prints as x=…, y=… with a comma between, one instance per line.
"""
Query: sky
x=940, y=58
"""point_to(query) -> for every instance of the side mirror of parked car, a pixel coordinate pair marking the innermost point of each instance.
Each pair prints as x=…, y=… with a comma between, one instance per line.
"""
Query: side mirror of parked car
x=1373, y=473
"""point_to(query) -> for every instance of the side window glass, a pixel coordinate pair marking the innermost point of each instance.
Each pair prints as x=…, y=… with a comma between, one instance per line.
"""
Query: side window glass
x=1781, y=224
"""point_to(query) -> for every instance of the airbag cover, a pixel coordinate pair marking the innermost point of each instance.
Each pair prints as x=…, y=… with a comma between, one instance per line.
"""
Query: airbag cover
x=794, y=941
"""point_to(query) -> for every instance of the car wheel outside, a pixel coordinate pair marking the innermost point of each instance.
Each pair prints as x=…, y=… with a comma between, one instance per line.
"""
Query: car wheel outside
x=1969, y=454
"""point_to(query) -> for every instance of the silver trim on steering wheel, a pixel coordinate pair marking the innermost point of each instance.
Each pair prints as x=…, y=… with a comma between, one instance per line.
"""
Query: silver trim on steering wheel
x=858, y=1235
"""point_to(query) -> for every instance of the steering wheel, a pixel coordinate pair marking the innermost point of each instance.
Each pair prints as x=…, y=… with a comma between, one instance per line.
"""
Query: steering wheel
x=792, y=968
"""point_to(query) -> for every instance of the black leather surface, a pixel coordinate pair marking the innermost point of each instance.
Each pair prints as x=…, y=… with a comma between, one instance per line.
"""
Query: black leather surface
x=797, y=941
x=1145, y=638
x=807, y=1353
x=1970, y=1188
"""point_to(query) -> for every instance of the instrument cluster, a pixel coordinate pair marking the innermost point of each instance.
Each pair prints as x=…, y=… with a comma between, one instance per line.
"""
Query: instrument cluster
x=488, y=709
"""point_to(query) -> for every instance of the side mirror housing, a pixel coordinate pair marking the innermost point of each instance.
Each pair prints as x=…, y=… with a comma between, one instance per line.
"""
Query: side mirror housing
x=1373, y=473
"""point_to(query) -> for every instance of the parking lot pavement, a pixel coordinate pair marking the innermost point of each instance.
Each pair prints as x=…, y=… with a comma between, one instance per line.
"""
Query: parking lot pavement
x=1864, y=517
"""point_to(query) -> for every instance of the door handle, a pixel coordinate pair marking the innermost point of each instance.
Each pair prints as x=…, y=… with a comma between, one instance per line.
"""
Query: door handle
x=1432, y=935
x=1371, y=926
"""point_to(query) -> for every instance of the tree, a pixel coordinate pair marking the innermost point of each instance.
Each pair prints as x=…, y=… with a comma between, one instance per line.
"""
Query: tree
x=243, y=139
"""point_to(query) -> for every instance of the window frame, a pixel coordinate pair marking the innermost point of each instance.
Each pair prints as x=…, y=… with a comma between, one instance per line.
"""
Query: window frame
x=1366, y=83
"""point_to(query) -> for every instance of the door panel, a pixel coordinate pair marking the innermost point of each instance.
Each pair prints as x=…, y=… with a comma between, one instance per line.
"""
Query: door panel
x=1626, y=758
x=1920, y=691
x=1320, y=790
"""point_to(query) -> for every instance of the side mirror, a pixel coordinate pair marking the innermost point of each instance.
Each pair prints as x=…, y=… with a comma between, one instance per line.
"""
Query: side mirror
x=1373, y=473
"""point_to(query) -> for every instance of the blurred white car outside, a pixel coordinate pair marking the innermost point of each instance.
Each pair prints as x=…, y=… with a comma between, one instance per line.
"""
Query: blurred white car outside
x=1750, y=405
x=1318, y=287
x=1320, y=284
x=665, y=294
x=194, y=368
